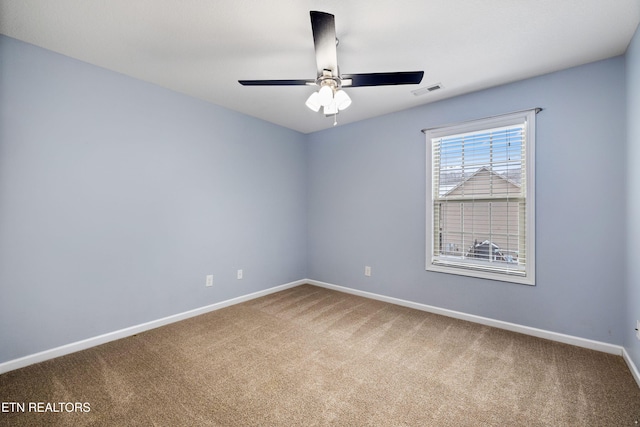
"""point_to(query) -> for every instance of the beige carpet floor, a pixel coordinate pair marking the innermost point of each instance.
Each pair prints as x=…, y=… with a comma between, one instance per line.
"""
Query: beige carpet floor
x=309, y=356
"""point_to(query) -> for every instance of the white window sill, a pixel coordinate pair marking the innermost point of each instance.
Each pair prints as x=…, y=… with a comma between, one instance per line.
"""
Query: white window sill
x=503, y=277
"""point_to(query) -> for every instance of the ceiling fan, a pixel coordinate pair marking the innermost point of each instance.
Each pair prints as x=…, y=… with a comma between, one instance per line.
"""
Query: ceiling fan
x=331, y=97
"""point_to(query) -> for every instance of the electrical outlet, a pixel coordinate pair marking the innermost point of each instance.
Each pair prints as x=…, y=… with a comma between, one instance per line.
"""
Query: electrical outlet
x=638, y=329
x=367, y=270
x=240, y=274
x=209, y=281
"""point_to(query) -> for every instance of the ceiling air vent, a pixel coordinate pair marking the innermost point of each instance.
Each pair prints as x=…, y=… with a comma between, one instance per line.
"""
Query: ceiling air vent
x=427, y=89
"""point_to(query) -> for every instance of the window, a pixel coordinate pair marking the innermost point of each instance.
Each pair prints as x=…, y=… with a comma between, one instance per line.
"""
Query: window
x=481, y=202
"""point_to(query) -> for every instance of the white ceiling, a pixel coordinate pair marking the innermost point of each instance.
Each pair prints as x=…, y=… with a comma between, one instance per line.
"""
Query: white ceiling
x=202, y=47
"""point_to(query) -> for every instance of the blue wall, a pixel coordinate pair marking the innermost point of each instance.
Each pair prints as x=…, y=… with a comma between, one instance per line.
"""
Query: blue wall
x=367, y=201
x=117, y=197
x=633, y=223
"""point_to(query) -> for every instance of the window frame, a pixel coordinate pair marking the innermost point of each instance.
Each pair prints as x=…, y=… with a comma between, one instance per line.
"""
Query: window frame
x=510, y=119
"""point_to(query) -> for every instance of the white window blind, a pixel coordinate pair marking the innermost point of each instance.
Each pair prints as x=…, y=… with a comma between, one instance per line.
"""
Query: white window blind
x=481, y=203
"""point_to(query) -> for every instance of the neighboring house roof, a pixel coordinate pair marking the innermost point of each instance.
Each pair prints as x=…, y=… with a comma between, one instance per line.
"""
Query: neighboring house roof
x=483, y=174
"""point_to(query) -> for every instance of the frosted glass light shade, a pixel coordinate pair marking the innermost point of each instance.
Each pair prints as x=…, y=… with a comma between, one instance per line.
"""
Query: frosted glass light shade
x=313, y=102
x=332, y=108
x=342, y=100
x=325, y=95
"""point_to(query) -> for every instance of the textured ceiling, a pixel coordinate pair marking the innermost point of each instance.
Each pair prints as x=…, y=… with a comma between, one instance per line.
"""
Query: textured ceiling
x=203, y=47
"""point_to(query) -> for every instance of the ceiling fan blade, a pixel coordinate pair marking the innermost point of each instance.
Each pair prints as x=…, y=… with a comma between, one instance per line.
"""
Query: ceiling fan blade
x=323, y=27
x=276, y=82
x=383, y=79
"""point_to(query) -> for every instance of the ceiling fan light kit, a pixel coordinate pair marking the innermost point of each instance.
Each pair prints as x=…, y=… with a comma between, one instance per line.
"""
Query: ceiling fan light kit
x=330, y=96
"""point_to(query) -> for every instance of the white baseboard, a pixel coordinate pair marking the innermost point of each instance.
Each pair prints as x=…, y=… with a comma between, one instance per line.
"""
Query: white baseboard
x=540, y=333
x=632, y=366
x=123, y=333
